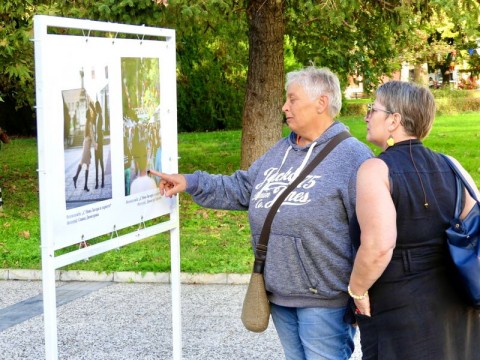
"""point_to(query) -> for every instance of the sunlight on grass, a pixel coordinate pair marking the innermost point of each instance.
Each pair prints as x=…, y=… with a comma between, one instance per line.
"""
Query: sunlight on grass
x=212, y=241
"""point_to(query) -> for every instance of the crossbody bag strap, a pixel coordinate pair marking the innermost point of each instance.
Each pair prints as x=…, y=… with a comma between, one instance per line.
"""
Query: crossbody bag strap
x=261, y=248
x=460, y=183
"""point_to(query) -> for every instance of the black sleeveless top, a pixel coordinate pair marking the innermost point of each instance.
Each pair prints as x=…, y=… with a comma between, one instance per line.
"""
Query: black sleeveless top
x=419, y=175
x=418, y=309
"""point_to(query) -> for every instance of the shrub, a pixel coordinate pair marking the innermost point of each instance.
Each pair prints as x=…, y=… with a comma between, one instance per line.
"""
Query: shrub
x=355, y=107
x=457, y=105
x=447, y=101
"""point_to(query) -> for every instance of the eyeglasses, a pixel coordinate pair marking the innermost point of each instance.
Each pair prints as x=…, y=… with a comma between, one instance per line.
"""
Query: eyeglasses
x=371, y=109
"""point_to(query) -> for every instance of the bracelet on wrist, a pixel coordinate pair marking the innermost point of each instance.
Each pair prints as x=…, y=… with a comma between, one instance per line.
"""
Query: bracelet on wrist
x=355, y=296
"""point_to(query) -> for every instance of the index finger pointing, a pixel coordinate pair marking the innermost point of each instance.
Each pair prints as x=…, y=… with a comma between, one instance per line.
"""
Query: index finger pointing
x=154, y=172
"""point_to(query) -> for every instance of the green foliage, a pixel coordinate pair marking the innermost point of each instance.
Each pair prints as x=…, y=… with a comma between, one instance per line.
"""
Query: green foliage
x=444, y=106
x=131, y=12
x=348, y=39
x=447, y=102
x=457, y=105
x=450, y=101
x=445, y=93
x=474, y=59
x=16, y=51
x=210, y=90
x=211, y=55
x=211, y=51
x=291, y=63
x=355, y=107
x=371, y=38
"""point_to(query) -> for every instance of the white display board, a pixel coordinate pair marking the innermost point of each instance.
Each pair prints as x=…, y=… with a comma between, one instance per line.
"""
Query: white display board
x=106, y=113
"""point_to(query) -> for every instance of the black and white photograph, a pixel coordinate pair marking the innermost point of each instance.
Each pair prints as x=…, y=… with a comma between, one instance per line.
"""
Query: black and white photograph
x=88, y=175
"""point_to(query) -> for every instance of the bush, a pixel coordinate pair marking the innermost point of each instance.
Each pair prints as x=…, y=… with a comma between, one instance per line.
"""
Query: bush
x=447, y=101
x=452, y=93
x=355, y=107
x=209, y=96
x=457, y=105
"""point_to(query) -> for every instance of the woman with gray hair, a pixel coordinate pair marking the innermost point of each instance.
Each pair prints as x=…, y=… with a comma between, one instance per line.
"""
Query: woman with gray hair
x=408, y=303
x=310, y=254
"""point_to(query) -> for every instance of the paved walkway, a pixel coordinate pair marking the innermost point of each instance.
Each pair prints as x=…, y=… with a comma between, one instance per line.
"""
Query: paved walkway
x=131, y=320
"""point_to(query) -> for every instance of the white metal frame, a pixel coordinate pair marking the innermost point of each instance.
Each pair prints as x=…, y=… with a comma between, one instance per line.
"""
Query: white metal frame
x=116, y=213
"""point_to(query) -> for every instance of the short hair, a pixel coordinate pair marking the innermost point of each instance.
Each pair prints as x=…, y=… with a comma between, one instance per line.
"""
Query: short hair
x=414, y=103
x=316, y=82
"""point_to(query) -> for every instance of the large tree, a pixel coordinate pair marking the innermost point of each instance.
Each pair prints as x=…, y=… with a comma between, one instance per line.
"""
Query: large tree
x=370, y=37
x=262, y=116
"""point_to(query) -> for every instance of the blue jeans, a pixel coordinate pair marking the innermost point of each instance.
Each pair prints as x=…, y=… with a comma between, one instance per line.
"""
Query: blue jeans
x=313, y=333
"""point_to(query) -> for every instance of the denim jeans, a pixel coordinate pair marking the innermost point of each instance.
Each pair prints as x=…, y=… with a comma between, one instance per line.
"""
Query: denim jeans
x=313, y=333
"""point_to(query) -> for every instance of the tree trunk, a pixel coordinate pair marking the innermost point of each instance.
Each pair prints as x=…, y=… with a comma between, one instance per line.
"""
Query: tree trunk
x=421, y=74
x=262, y=114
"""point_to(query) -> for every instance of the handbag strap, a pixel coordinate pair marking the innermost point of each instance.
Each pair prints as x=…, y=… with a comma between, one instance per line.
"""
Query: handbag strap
x=261, y=248
x=461, y=182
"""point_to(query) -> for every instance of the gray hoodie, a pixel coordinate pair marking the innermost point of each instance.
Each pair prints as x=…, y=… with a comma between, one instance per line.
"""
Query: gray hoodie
x=310, y=255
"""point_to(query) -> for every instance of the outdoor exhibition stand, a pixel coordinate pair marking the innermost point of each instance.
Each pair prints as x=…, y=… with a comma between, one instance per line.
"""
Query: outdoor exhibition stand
x=106, y=112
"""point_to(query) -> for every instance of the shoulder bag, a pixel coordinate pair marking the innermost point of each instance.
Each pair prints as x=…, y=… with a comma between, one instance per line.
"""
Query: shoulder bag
x=463, y=239
x=256, y=307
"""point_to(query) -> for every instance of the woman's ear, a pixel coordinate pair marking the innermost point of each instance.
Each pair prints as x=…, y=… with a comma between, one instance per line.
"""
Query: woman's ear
x=394, y=121
x=322, y=103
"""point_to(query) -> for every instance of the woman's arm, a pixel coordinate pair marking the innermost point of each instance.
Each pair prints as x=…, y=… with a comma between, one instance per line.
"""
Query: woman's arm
x=376, y=215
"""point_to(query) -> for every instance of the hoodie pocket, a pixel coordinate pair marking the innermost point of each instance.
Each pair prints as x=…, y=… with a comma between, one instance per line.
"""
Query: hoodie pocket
x=288, y=271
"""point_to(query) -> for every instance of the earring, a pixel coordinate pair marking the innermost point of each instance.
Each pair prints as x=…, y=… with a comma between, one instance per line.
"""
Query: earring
x=390, y=141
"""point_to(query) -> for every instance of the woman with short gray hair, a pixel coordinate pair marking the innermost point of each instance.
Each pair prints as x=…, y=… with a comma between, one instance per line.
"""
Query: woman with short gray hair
x=310, y=254
x=409, y=305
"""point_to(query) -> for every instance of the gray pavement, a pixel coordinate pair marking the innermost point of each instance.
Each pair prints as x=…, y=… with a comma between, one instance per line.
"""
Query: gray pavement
x=124, y=320
x=78, y=196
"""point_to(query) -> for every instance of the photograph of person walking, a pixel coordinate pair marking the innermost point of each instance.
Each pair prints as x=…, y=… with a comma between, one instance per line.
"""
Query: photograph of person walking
x=310, y=254
x=88, y=141
x=99, y=144
x=86, y=121
x=409, y=305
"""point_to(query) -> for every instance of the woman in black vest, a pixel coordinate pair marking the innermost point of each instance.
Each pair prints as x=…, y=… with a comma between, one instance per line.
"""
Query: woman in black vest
x=408, y=305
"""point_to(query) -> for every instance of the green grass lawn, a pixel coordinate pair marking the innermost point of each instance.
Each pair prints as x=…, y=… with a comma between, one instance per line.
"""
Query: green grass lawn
x=212, y=241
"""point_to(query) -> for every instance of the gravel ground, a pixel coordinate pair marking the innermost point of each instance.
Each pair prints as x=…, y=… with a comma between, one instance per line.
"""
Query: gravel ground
x=132, y=321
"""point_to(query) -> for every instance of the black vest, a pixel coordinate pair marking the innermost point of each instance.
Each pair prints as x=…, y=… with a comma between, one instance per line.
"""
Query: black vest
x=418, y=225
